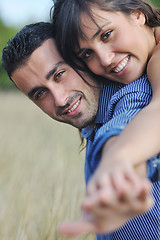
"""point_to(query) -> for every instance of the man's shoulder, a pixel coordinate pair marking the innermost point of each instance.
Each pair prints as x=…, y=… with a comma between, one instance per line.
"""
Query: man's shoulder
x=140, y=85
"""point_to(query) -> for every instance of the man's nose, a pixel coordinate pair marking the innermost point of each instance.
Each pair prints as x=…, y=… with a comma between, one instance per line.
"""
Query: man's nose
x=105, y=55
x=59, y=94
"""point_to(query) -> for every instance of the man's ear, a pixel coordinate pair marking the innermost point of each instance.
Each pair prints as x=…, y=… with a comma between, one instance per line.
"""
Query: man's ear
x=138, y=17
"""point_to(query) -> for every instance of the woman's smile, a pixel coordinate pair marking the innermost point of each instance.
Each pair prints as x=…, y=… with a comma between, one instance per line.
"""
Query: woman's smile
x=117, y=47
x=121, y=65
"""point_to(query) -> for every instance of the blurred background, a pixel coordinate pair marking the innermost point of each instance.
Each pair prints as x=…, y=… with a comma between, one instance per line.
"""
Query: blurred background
x=41, y=165
x=14, y=14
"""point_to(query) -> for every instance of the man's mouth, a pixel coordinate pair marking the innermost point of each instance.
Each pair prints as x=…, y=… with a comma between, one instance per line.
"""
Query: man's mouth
x=74, y=106
x=121, y=65
x=71, y=107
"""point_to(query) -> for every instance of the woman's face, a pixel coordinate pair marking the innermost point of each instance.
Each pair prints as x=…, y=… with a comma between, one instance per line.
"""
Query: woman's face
x=118, y=46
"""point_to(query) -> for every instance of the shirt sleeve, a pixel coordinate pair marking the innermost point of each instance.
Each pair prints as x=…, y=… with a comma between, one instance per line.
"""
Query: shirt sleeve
x=121, y=110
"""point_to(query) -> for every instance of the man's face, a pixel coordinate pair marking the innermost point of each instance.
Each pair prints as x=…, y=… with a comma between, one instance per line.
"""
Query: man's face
x=56, y=88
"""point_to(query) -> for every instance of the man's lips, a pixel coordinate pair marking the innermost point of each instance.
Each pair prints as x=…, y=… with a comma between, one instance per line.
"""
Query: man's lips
x=74, y=106
x=71, y=108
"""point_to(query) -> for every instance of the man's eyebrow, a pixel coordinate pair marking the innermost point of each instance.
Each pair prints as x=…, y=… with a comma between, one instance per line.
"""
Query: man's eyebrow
x=53, y=70
x=49, y=74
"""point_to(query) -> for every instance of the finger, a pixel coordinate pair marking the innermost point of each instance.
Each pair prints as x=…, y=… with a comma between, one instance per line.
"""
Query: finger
x=123, y=182
x=76, y=228
x=144, y=200
x=103, y=197
x=105, y=204
x=129, y=185
x=99, y=226
x=90, y=202
x=91, y=187
x=146, y=189
x=131, y=206
x=98, y=181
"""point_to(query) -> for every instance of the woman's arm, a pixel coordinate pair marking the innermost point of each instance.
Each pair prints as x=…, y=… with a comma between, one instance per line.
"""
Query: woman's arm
x=153, y=68
x=140, y=140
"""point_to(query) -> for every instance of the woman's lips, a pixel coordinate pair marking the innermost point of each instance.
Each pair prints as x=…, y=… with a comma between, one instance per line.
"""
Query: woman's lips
x=121, y=65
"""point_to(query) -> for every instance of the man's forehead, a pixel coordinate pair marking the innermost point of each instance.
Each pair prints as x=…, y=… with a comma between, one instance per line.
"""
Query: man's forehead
x=39, y=67
x=48, y=47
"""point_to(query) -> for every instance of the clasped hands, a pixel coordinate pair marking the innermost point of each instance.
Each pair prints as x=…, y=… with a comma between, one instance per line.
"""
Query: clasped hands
x=115, y=193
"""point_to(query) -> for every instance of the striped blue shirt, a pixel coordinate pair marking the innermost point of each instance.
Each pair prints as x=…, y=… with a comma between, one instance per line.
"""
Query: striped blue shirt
x=118, y=105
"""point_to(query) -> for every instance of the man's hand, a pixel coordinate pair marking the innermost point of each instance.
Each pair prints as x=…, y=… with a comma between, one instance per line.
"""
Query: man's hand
x=105, y=211
x=115, y=193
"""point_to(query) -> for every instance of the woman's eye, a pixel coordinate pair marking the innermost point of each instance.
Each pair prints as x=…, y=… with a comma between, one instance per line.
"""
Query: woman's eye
x=106, y=35
x=40, y=93
x=58, y=75
x=86, y=54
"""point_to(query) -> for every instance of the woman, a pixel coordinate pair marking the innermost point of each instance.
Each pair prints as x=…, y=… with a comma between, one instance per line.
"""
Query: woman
x=118, y=40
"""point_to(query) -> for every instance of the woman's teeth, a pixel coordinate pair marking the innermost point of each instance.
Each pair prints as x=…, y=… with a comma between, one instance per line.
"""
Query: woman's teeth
x=121, y=65
x=74, y=107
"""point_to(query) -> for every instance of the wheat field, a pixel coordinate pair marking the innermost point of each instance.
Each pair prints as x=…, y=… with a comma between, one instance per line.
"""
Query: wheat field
x=41, y=172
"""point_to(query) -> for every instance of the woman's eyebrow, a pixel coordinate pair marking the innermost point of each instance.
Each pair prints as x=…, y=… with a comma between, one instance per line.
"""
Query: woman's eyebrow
x=100, y=28
x=80, y=50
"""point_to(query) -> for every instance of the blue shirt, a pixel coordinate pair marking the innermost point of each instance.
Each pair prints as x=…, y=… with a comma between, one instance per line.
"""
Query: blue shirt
x=118, y=105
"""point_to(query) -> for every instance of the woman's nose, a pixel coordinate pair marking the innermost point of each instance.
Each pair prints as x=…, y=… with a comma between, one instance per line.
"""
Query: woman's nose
x=105, y=56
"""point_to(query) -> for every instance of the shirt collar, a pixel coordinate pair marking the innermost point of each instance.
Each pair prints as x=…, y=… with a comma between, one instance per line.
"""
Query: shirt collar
x=107, y=91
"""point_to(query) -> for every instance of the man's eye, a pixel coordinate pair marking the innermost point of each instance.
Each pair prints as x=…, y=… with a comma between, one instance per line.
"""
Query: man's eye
x=86, y=54
x=106, y=35
x=58, y=75
x=40, y=93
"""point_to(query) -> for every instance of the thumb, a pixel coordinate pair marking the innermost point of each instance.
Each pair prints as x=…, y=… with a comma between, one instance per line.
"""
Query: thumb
x=76, y=228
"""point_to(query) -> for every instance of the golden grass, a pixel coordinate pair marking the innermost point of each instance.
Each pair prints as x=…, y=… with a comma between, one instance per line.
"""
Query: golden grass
x=41, y=172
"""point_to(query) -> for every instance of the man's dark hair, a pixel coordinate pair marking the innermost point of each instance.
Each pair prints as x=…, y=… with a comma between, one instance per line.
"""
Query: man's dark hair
x=24, y=43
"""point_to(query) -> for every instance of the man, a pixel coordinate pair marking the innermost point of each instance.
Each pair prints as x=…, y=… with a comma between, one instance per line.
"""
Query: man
x=114, y=192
